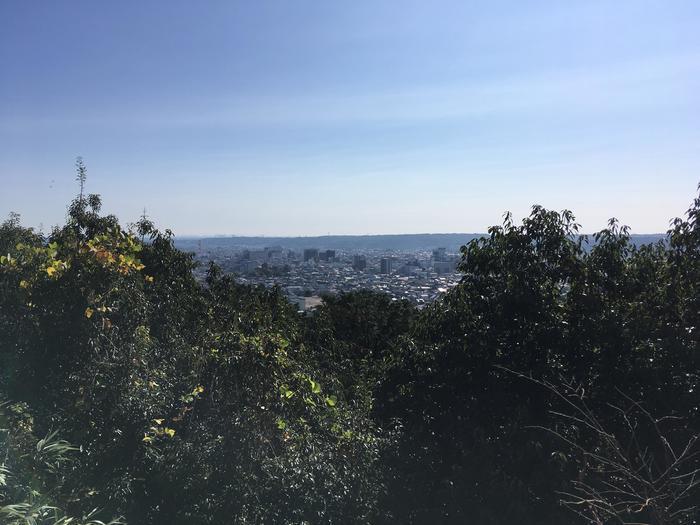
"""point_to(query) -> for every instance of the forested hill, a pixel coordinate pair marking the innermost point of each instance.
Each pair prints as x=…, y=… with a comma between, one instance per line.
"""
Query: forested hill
x=555, y=384
x=404, y=242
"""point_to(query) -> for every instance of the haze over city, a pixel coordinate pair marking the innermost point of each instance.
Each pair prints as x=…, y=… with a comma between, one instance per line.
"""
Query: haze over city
x=308, y=118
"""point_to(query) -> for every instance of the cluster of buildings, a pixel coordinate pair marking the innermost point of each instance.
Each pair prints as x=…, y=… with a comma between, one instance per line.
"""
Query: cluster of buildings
x=305, y=276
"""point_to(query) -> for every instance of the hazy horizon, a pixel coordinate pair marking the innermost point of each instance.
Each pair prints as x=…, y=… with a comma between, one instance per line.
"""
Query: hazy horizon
x=404, y=234
x=288, y=119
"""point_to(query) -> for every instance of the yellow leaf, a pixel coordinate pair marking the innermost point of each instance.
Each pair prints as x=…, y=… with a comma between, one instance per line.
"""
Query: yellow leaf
x=147, y=439
x=149, y=279
x=169, y=431
x=88, y=312
x=23, y=284
x=50, y=270
x=159, y=421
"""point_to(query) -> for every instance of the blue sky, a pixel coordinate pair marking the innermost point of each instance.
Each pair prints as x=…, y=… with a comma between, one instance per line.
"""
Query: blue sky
x=304, y=118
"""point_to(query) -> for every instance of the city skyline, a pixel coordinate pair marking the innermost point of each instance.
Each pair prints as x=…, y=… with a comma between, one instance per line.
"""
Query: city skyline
x=364, y=118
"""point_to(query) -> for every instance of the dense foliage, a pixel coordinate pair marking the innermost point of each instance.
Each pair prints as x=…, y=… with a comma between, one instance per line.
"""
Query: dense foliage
x=557, y=383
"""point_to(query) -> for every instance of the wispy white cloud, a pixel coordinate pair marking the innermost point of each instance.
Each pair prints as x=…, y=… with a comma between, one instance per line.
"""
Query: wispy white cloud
x=662, y=82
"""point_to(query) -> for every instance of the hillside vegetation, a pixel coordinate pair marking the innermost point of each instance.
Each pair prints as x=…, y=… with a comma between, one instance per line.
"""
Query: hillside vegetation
x=557, y=383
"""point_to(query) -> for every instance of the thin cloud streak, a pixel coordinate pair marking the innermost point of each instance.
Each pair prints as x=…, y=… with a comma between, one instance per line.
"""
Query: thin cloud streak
x=614, y=89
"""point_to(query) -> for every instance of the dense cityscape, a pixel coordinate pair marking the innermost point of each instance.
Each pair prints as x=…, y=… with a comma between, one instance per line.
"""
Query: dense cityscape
x=406, y=267
x=418, y=276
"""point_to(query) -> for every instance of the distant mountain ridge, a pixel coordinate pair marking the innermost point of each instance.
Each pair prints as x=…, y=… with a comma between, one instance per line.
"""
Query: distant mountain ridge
x=398, y=242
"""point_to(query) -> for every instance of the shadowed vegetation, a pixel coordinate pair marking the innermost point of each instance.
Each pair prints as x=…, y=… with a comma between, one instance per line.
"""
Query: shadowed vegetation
x=557, y=383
